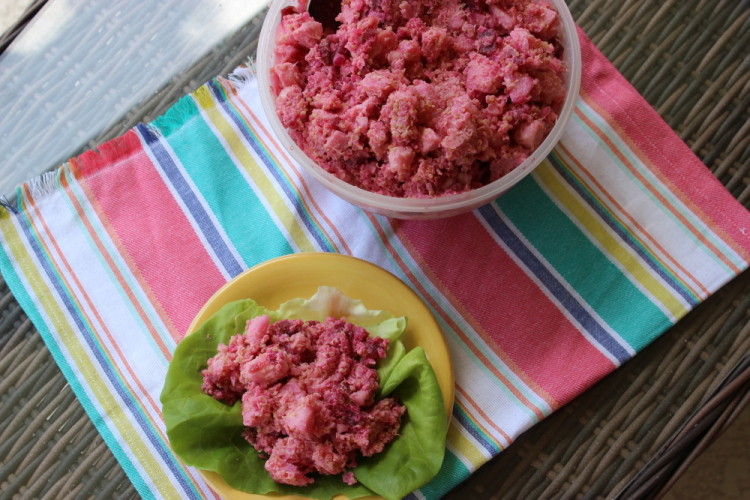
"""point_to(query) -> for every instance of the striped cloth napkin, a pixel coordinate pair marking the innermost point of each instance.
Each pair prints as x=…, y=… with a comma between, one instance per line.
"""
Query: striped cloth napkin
x=540, y=294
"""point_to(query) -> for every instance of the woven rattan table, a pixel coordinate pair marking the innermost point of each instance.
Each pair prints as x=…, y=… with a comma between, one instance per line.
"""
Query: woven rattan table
x=632, y=434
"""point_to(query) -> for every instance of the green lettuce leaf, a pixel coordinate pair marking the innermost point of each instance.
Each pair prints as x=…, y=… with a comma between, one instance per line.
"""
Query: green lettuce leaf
x=206, y=433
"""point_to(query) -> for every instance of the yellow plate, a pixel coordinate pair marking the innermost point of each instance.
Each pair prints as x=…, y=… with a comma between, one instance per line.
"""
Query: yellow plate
x=278, y=280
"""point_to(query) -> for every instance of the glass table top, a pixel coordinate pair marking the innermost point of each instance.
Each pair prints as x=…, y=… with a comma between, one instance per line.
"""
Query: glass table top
x=79, y=67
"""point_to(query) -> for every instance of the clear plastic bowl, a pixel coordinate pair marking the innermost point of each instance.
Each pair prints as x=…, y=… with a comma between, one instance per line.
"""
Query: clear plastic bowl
x=417, y=208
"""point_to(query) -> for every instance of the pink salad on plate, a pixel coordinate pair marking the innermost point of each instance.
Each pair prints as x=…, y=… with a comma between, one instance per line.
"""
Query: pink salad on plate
x=317, y=398
x=307, y=390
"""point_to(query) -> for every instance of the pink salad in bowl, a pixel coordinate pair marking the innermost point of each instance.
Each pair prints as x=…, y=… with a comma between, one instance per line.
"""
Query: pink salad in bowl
x=420, y=108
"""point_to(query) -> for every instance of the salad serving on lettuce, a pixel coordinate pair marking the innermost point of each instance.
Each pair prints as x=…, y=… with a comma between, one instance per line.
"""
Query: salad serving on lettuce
x=358, y=414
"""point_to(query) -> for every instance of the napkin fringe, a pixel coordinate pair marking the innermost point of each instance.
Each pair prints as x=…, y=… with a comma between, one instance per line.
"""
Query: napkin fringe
x=36, y=188
x=8, y=205
x=175, y=118
x=46, y=184
x=170, y=121
x=185, y=108
x=112, y=151
x=242, y=75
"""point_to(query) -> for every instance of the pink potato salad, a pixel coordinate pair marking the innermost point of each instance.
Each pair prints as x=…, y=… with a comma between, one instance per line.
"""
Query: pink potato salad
x=316, y=398
x=420, y=98
x=308, y=395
